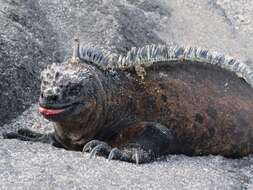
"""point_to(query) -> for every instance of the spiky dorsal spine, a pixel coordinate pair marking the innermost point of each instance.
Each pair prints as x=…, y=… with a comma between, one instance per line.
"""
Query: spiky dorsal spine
x=161, y=54
x=96, y=57
x=144, y=57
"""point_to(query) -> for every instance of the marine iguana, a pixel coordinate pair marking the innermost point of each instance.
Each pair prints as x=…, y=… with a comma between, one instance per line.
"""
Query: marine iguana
x=154, y=101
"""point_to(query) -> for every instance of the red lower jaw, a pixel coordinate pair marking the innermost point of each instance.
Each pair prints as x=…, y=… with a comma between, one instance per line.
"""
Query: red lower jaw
x=50, y=112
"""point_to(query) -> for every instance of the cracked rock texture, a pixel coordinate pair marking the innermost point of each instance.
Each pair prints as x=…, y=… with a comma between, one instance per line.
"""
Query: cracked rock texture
x=35, y=33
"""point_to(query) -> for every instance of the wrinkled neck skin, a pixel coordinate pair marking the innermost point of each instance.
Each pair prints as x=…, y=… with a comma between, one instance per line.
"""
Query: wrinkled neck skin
x=122, y=99
x=112, y=109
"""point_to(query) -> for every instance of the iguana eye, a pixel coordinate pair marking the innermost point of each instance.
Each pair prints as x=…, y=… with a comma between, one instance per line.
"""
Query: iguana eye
x=74, y=90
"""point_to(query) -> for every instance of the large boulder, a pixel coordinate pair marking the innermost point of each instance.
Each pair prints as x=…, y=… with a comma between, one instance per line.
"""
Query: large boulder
x=27, y=44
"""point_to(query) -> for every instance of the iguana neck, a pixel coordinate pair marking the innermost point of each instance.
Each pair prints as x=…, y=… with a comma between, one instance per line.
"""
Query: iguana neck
x=121, y=98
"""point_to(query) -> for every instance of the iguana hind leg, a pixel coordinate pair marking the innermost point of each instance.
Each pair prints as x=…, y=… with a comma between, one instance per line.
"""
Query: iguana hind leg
x=29, y=135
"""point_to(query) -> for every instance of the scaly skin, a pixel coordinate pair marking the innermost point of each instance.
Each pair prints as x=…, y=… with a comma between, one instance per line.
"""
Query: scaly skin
x=194, y=109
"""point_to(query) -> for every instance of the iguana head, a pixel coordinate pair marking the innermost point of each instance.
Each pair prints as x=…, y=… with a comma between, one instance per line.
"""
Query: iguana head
x=69, y=91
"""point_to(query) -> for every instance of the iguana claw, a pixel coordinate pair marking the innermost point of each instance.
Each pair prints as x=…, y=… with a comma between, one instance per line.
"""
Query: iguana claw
x=102, y=149
x=97, y=147
x=133, y=155
x=115, y=154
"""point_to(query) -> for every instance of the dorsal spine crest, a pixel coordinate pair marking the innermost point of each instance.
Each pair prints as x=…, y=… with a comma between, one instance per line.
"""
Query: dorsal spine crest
x=144, y=57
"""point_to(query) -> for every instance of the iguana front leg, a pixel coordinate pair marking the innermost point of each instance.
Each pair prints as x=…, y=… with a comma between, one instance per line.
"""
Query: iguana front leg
x=140, y=143
x=28, y=135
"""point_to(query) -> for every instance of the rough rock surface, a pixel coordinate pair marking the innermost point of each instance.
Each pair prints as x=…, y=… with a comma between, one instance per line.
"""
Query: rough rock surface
x=35, y=33
x=27, y=43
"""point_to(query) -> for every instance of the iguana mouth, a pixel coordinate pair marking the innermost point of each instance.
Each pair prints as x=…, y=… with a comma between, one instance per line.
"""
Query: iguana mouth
x=56, y=112
x=49, y=112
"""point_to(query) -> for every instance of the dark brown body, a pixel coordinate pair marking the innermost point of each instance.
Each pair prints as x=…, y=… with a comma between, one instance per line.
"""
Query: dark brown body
x=208, y=109
x=183, y=107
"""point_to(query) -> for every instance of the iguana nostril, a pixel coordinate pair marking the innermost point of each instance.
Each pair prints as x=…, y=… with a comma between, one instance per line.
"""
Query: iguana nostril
x=54, y=98
x=42, y=95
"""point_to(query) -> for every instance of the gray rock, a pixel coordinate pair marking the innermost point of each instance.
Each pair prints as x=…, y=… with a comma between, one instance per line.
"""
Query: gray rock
x=35, y=33
x=27, y=44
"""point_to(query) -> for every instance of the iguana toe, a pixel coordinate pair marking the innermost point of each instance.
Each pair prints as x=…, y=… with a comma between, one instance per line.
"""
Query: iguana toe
x=115, y=154
x=90, y=145
x=96, y=147
x=10, y=135
x=16, y=135
x=102, y=150
x=131, y=154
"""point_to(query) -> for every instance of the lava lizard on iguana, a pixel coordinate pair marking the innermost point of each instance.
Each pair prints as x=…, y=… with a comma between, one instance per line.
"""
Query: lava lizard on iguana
x=154, y=101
